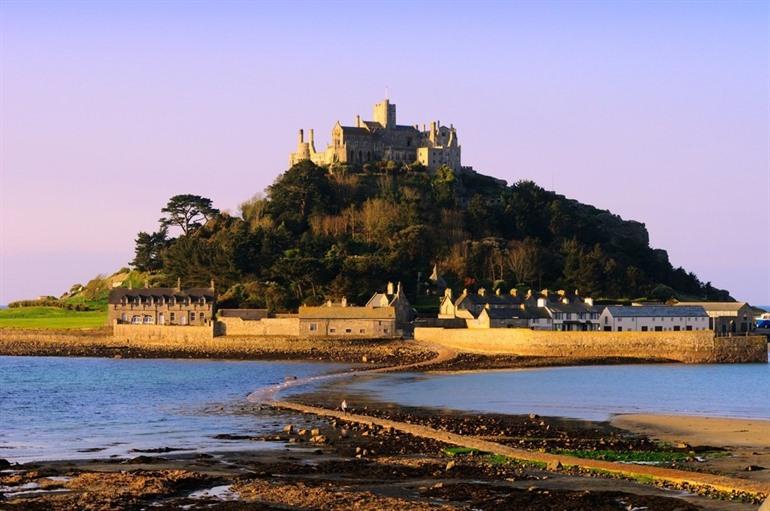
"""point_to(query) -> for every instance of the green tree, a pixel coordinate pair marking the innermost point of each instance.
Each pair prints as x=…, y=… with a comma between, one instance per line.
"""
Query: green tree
x=299, y=193
x=148, y=252
x=188, y=212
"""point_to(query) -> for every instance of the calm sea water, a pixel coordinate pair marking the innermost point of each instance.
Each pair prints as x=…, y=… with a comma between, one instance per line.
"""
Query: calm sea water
x=68, y=408
x=587, y=392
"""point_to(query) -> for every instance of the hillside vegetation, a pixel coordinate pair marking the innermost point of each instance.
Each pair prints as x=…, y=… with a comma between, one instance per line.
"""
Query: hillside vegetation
x=319, y=234
x=83, y=306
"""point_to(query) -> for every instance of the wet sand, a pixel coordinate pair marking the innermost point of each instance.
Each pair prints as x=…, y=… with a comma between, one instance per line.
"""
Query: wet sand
x=746, y=440
x=699, y=430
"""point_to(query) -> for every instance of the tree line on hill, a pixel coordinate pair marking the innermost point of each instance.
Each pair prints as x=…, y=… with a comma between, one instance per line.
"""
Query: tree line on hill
x=320, y=234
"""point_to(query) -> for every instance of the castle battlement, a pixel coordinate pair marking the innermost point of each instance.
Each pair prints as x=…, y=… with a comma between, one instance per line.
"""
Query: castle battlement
x=383, y=139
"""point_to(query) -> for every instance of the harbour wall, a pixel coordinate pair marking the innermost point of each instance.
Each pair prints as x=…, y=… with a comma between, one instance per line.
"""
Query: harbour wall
x=692, y=347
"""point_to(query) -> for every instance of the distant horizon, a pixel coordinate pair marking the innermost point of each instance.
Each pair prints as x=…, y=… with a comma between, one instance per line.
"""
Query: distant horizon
x=655, y=112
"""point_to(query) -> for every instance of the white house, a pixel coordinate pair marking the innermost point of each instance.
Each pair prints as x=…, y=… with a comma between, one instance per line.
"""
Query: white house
x=653, y=318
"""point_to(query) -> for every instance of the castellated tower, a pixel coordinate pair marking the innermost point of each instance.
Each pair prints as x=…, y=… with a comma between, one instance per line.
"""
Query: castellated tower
x=383, y=140
x=385, y=114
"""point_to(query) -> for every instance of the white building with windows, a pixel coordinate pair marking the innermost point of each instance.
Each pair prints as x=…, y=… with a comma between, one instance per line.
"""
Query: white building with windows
x=653, y=318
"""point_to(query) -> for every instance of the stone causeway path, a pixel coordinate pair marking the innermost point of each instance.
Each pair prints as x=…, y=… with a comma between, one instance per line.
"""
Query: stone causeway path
x=632, y=471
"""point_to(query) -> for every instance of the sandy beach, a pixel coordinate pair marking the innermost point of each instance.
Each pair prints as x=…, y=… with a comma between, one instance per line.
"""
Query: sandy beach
x=736, y=433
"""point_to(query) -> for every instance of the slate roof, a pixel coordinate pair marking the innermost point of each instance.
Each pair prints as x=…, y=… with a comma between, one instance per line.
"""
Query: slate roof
x=349, y=312
x=575, y=307
x=492, y=299
x=355, y=130
x=649, y=311
x=195, y=293
x=713, y=306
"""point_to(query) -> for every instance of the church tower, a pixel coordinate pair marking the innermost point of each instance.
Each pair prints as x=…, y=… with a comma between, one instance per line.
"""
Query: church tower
x=385, y=114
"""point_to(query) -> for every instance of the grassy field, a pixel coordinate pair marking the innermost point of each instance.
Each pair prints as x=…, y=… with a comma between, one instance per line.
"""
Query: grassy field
x=51, y=317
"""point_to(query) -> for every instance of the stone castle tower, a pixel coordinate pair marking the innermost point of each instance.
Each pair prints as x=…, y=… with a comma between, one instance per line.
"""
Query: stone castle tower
x=383, y=139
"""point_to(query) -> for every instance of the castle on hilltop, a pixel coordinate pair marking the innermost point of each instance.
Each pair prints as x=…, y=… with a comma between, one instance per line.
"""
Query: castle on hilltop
x=382, y=140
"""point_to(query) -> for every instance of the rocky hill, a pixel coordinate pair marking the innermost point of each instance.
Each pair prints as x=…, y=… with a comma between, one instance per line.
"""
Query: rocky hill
x=321, y=233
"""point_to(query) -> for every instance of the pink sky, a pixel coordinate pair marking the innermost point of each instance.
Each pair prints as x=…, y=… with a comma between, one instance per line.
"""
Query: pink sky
x=656, y=111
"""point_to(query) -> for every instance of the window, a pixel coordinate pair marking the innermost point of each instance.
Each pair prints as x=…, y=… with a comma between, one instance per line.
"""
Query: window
x=362, y=331
x=148, y=320
x=313, y=327
x=173, y=317
x=385, y=330
x=348, y=330
x=332, y=330
x=136, y=320
x=658, y=328
x=677, y=328
x=620, y=329
x=201, y=317
x=192, y=316
x=644, y=329
x=688, y=327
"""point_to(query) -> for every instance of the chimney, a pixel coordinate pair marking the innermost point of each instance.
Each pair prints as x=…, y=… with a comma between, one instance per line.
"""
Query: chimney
x=358, y=121
x=561, y=292
x=146, y=283
x=529, y=293
x=482, y=291
x=179, y=280
x=130, y=284
x=448, y=293
x=211, y=285
x=311, y=136
x=344, y=302
x=514, y=292
x=497, y=292
x=544, y=292
x=398, y=288
x=301, y=136
x=389, y=289
x=589, y=301
x=465, y=291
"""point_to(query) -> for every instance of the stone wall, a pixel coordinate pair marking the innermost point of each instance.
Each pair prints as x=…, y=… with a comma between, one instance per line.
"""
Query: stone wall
x=688, y=347
x=286, y=326
x=162, y=333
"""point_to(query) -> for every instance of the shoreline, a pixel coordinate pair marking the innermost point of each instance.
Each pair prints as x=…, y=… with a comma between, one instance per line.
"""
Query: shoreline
x=390, y=457
x=365, y=465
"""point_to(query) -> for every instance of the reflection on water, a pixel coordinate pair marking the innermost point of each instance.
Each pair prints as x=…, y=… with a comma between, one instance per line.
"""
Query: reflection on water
x=68, y=408
x=588, y=392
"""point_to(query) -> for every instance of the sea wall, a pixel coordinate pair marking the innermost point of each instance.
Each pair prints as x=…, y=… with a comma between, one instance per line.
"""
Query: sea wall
x=101, y=343
x=687, y=346
x=164, y=333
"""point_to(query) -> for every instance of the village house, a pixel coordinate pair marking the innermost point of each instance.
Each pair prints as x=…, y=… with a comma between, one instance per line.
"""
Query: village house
x=653, y=318
x=726, y=317
x=569, y=313
x=470, y=305
x=547, y=311
x=386, y=314
x=162, y=306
